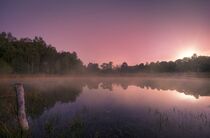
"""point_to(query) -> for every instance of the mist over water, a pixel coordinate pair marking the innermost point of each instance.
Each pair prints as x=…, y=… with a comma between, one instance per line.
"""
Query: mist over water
x=107, y=106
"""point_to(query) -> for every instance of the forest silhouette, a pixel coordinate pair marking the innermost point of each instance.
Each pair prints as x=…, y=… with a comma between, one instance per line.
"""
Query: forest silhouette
x=35, y=56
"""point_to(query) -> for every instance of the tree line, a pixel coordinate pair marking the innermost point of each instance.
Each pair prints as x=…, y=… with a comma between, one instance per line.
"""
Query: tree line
x=33, y=56
x=187, y=64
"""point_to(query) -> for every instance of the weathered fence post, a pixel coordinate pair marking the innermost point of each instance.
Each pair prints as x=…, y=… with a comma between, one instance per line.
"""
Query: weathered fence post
x=21, y=106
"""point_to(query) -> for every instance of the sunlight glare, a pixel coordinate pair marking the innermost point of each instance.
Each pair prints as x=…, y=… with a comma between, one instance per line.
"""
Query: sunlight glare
x=187, y=52
x=186, y=97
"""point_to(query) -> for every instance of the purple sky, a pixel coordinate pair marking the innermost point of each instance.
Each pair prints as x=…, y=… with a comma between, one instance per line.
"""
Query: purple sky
x=113, y=30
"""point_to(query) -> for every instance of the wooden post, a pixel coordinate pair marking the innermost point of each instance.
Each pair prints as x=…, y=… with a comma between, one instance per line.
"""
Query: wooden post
x=21, y=106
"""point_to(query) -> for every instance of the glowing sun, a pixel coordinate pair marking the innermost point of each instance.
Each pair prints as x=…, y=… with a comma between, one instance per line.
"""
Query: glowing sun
x=187, y=52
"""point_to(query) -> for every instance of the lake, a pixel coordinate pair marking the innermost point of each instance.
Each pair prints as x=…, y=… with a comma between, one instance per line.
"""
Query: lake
x=109, y=107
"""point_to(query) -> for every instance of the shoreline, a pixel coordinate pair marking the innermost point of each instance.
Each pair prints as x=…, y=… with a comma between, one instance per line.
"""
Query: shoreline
x=111, y=75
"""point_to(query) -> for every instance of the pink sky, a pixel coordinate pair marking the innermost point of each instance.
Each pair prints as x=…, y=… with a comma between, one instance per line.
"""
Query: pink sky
x=117, y=31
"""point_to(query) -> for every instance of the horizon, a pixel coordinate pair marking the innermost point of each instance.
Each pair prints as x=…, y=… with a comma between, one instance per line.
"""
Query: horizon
x=119, y=31
x=147, y=62
x=105, y=68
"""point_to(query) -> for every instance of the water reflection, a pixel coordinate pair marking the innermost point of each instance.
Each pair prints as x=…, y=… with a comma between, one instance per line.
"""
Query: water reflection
x=111, y=107
x=196, y=87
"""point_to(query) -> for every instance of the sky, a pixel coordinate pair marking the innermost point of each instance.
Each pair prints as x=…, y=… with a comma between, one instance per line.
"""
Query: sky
x=133, y=31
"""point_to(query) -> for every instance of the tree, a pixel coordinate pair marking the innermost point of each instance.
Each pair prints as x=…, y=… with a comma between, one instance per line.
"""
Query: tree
x=124, y=67
x=35, y=56
x=107, y=67
x=32, y=56
x=5, y=68
x=93, y=67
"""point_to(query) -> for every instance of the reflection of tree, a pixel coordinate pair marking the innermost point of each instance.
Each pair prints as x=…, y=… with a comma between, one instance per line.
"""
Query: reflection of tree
x=39, y=95
x=106, y=85
x=124, y=86
x=196, y=87
x=38, y=98
x=92, y=84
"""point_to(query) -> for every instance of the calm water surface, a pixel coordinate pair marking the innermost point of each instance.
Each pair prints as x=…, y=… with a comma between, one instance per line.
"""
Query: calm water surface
x=111, y=107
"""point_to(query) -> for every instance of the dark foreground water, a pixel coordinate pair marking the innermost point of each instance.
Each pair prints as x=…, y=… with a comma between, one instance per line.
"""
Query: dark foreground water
x=109, y=107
